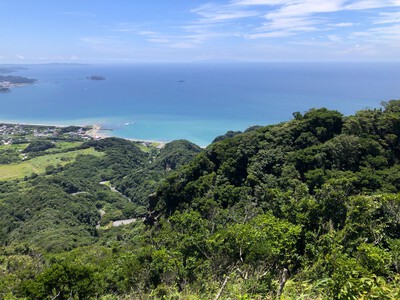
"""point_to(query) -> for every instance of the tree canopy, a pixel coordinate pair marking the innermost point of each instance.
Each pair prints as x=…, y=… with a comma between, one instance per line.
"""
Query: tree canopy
x=305, y=209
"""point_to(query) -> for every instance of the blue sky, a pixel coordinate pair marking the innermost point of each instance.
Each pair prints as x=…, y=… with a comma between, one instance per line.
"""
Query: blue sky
x=129, y=31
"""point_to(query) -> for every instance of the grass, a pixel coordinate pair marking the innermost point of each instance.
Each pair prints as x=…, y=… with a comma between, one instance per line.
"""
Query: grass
x=143, y=147
x=64, y=146
x=60, y=146
x=38, y=164
x=14, y=146
x=147, y=148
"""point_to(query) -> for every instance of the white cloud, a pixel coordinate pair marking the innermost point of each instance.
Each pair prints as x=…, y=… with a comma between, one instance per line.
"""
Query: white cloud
x=290, y=24
x=316, y=24
x=379, y=35
x=306, y=8
x=387, y=33
x=20, y=56
x=370, y=4
x=298, y=16
x=388, y=17
x=182, y=45
x=147, y=32
x=272, y=34
x=158, y=40
x=359, y=50
x=212, y=13
x=344, y=24
x=360, y=34
x=335, y=38
x=282, y=18
x=262, y=2
x=125, y=28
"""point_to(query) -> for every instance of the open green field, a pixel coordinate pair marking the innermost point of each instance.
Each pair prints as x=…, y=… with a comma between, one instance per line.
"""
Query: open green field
x=38, y=164
x=64, y=146
x=14, y=147
x=148, y=148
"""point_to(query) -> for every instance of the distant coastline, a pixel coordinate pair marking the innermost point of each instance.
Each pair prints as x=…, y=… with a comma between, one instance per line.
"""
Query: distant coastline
x=8, y=82
x=163, y=109
x=95, y=132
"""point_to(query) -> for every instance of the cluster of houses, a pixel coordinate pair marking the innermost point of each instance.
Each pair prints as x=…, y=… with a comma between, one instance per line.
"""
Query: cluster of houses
x=9, y=132
x=12, y=129
x=48, y=132
x=5, y=84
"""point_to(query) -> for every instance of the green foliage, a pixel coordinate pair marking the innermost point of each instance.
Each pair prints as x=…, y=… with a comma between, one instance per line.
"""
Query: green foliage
x=139, y=184
x=63, y=280
x=9, y=156
x=306, y=209
x=39, y=145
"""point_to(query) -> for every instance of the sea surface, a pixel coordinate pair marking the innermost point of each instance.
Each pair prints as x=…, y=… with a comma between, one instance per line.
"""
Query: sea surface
x=196, y=102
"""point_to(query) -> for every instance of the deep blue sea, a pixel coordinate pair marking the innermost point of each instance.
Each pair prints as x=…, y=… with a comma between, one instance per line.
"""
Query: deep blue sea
x=194, y=101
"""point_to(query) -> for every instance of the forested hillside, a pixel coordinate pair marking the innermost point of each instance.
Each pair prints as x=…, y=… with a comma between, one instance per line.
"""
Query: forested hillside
x=305, y=209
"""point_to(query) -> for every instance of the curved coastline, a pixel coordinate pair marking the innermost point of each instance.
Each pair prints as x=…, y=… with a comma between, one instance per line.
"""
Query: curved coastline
x=96, y=131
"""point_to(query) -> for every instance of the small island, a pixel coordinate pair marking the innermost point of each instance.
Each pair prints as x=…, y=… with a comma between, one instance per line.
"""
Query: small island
x=96, y=77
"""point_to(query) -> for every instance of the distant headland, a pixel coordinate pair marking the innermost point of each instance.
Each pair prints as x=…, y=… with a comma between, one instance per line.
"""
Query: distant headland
x=96, y=77
x=8, y=82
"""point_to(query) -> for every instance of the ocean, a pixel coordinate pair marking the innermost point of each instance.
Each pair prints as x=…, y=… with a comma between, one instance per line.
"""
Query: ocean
x=196, y=102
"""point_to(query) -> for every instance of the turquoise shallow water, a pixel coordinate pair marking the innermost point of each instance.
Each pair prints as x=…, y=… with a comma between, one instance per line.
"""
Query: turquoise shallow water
x=194, y=101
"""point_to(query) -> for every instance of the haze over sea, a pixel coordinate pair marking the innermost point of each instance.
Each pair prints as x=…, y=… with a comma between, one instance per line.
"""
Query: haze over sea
x=194, y=101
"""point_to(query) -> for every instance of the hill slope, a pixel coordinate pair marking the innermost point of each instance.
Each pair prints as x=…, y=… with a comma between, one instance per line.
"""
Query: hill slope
x=308, y=209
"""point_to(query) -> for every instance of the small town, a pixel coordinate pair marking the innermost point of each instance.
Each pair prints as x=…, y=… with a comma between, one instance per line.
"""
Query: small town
x=11, y=133
x=5, y=84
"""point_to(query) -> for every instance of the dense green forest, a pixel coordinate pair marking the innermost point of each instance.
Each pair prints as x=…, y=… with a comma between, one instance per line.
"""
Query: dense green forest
x=305, y=209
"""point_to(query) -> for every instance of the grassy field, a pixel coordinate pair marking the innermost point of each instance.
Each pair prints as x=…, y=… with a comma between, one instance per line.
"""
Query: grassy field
x=63, y=146
x=146, y=148
x=38, y=164
x=14, y=146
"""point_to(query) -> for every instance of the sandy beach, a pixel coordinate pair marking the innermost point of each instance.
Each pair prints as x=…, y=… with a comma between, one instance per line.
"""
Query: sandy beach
x=96, y=133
